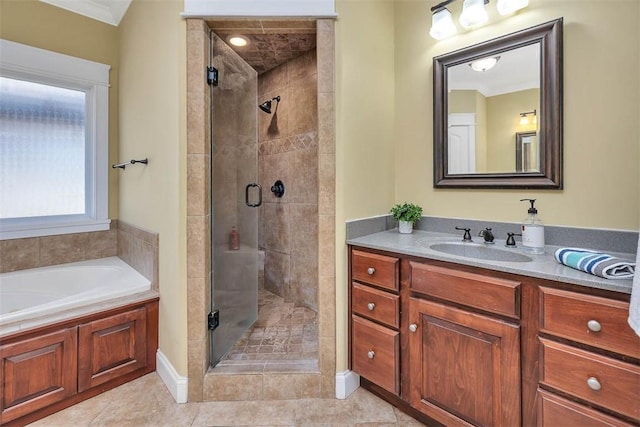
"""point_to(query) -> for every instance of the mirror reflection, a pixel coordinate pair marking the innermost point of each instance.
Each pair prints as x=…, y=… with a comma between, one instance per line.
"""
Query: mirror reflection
x=493, y=110
x=497, y=112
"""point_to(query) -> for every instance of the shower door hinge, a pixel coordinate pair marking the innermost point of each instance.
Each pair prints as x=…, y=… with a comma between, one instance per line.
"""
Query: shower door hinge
x=212, y=76
x=214, y=319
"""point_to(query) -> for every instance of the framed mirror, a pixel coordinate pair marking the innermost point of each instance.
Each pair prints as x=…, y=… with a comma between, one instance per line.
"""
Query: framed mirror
x=498, y=112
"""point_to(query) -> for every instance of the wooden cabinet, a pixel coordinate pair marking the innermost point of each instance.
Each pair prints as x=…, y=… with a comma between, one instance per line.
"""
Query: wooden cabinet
x=590, y=357
x=37, y=372
x=48, y=369
x=467, y=346
x=375, y=319
x=112, y=347
x=465, y=366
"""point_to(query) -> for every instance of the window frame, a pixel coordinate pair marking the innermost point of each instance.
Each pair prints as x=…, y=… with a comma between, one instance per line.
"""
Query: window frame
x=22, y=62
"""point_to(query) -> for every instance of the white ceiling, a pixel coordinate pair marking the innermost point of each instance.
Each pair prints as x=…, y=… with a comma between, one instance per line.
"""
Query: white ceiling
x=108, y=11
x=516, y=70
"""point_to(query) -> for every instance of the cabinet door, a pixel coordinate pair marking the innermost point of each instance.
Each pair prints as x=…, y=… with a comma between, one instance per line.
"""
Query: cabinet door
x=464, y=368
x=37, y=372
x=112, y=347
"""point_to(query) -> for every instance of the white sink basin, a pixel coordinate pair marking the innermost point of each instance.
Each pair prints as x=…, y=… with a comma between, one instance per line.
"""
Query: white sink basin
x=479, y=251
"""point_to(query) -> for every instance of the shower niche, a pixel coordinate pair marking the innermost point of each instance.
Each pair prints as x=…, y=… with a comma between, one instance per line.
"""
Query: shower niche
x=264, y=130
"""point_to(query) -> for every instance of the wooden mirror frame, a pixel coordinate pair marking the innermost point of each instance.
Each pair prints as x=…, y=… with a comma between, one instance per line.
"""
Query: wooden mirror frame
x=549, y=36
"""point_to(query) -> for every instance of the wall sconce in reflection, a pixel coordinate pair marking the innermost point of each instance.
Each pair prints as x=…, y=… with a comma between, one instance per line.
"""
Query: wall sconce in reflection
x=524, y=119
x=473, y=15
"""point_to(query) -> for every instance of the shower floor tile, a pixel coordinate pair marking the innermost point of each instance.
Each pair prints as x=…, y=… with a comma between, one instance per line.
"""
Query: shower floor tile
x=282, y=332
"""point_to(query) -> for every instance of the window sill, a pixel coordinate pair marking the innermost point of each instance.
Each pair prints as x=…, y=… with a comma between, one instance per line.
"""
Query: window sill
x=52, y=229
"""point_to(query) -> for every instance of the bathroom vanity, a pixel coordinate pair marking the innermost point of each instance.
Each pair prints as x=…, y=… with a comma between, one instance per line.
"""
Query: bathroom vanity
x=468, y=341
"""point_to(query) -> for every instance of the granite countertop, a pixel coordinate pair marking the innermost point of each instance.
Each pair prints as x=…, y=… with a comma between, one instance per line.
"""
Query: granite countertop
x=543, y=266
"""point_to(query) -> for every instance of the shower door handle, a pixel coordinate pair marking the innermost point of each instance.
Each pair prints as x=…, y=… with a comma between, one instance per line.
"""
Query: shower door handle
x=246, y=195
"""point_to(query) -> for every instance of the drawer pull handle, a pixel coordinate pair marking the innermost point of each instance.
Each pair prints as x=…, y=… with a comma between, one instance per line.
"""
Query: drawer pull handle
x=413, y=327
x=371, y=270
x=371, y=306
x=371, y=354
x=594, y=326
x=593, y=383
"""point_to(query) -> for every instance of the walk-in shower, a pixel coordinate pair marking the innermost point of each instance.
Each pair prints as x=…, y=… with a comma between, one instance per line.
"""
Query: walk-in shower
x=268, y=317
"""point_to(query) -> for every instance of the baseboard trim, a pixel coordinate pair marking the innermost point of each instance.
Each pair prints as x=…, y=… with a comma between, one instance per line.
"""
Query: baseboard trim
x=346, y=383
x=176, y=383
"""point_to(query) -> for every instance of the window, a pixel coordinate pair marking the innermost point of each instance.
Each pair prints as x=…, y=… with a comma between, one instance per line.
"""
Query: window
x=53, y=143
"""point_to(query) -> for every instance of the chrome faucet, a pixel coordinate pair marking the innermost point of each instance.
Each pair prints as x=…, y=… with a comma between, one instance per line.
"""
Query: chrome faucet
x=467, y=234
x=488, y=236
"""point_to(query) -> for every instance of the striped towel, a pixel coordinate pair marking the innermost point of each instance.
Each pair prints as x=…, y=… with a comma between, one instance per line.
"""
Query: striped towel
x=596, y=263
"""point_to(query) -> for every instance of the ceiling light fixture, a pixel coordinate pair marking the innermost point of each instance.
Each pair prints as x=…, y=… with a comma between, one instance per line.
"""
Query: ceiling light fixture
x=238, y=40
x=484, y=64
x=473, y=15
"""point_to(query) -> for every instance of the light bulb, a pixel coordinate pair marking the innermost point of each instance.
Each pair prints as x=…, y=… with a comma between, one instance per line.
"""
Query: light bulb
x=442, y=25
x=473, y=13
x=524, y=121
x=238, y=40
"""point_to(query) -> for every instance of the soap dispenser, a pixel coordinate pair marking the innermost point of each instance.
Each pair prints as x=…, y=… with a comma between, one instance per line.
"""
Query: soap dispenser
x=532, y=230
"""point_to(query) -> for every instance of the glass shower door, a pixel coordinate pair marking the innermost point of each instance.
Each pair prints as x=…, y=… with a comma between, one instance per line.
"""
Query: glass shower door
x=234, y=171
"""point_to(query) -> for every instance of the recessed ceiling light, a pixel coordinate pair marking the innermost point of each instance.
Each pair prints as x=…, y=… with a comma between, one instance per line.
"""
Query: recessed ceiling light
x=238, y=41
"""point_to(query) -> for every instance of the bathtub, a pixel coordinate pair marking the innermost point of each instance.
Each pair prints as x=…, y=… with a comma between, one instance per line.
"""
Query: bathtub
x=38, y=292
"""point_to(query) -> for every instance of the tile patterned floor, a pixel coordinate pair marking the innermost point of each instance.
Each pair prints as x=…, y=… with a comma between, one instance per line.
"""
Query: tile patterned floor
x=146, y=402
x=282, y=331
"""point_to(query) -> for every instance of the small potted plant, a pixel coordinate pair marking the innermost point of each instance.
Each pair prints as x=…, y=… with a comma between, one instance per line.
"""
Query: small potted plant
x=406, y=214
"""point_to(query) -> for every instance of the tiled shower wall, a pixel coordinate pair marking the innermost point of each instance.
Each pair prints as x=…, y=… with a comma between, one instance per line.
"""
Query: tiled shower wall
x=135, y=246
x=288, y=151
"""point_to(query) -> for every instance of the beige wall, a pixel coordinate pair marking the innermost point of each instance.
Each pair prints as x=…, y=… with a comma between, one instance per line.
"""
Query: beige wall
x=601, y=102
x=364, y=129
x=152, y=124
x=37, y=24
x=503, y=121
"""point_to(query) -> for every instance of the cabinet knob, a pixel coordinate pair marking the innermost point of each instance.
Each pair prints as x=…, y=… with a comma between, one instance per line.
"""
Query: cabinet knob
x=371, y=354
x=593, y=383
x=371, y=306
x=594, y=326
x=413, y=327
x=371, y=270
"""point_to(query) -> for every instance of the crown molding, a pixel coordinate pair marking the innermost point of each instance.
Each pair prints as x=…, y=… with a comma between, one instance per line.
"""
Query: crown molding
x=107, y=11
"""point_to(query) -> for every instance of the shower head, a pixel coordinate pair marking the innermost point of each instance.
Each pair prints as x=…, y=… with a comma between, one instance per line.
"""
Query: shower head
x=266, y=105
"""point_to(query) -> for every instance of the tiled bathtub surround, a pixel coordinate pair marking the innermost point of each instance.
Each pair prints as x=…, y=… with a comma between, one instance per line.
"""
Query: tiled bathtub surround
x=135, y=246
x=599, y=239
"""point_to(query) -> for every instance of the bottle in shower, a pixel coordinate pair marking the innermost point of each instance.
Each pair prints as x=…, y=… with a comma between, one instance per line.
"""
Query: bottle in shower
x=234, y=239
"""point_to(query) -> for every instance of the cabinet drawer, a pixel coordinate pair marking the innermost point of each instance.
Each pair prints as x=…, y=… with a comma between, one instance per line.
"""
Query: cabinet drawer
x=570, y=370
x=495, y=295
x=375, y=353
x=376, y=304
x=375, y=269
x=578, y=317
x=555, y=411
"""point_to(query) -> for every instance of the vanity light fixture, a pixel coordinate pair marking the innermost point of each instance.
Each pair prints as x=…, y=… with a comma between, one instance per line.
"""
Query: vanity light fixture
x=524, y=120
x=473, y=15
x=484, y=64
x=506, y=7
x=442, y=25
x=238, y=40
